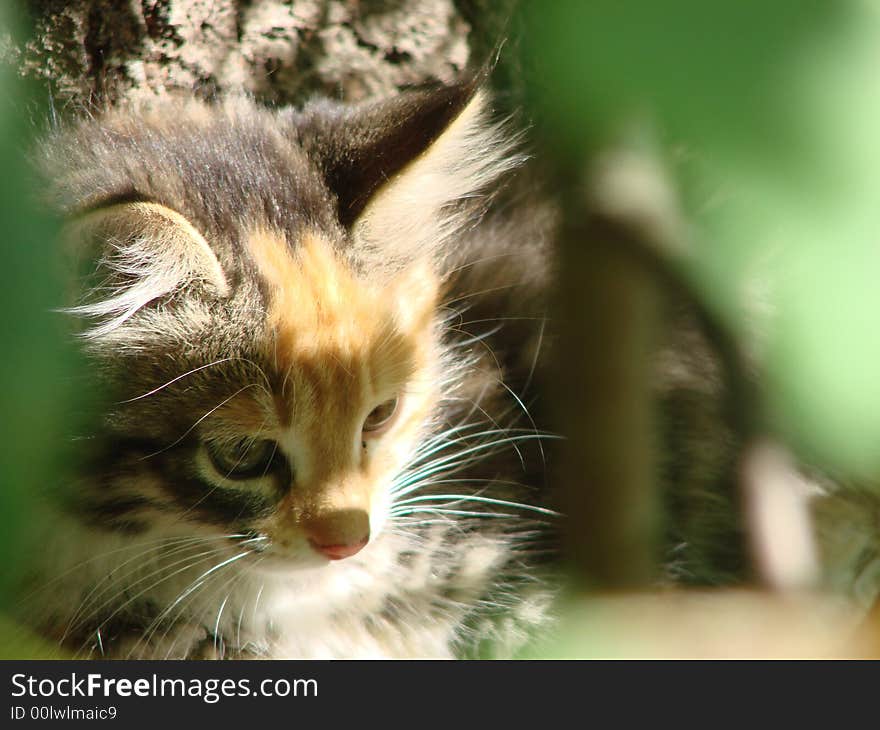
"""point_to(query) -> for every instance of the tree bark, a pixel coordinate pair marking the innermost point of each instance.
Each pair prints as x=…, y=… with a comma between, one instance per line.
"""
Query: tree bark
x=99, y=51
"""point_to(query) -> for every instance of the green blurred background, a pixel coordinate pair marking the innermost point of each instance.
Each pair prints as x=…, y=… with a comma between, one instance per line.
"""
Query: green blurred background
x=765, y=115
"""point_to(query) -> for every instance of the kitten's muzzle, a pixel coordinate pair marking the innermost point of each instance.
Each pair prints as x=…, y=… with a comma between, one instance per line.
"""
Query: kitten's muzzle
x=339, y=535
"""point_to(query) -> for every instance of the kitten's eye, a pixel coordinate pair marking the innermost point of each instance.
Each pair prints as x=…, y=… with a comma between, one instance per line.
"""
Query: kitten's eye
x=242, y=459
x=380, y=418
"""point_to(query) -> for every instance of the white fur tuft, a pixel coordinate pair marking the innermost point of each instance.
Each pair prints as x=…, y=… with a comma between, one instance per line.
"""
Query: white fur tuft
x=151, y=251
x=413, y=214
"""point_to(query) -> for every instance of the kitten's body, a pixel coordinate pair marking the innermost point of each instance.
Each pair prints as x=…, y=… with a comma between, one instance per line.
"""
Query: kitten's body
x=290, y=279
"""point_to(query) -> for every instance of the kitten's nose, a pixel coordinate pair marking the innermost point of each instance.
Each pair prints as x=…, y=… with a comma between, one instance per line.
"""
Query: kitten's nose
x=339, y=535
x=339, y=551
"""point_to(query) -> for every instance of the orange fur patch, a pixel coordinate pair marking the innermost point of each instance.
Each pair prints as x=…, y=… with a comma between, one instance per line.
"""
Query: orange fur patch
x=338, y=345
x=321, y=311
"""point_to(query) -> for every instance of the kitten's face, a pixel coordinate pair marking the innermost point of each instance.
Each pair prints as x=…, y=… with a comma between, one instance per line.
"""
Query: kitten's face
x=264, y=296
x=351, y=371
x=281, y=411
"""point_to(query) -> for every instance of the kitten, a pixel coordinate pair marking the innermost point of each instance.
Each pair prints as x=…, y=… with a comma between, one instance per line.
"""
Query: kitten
x=322, y=436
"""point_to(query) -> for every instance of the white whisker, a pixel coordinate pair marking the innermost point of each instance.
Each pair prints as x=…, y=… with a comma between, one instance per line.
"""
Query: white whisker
x=448, y=464
x=114, y=579
x=445, y=511
x=174, y=380
x=217, y=623
x=195, y=425
x=188, y=591
x=475, y=498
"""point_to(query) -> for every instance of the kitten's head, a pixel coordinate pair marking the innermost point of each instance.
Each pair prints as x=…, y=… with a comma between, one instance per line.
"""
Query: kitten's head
x=262, y=299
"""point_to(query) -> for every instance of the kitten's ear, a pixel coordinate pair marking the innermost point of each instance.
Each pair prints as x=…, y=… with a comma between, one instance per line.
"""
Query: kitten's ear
x=396, y=166
x=144, y=251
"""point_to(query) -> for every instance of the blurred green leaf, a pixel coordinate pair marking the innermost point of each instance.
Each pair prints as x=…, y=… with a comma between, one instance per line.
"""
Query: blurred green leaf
x=36, y=369
x=17, y=642
x=768, y=116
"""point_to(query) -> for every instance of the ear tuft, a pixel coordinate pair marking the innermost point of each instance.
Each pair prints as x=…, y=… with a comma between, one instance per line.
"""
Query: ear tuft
x=415, y=212
x=399, y=167
x=145, y=251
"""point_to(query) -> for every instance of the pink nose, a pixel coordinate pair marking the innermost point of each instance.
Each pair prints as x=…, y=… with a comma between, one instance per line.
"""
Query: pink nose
x=339, y=534
x=338, y=552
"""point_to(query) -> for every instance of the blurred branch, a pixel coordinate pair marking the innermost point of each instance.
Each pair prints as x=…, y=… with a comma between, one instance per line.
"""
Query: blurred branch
x=608, y=306
x=717, y=625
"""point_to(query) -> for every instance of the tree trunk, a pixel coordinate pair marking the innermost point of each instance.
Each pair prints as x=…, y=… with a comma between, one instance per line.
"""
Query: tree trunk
x=98, y=51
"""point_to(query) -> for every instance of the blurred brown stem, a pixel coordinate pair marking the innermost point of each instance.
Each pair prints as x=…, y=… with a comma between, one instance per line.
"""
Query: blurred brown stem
x=608, y=310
